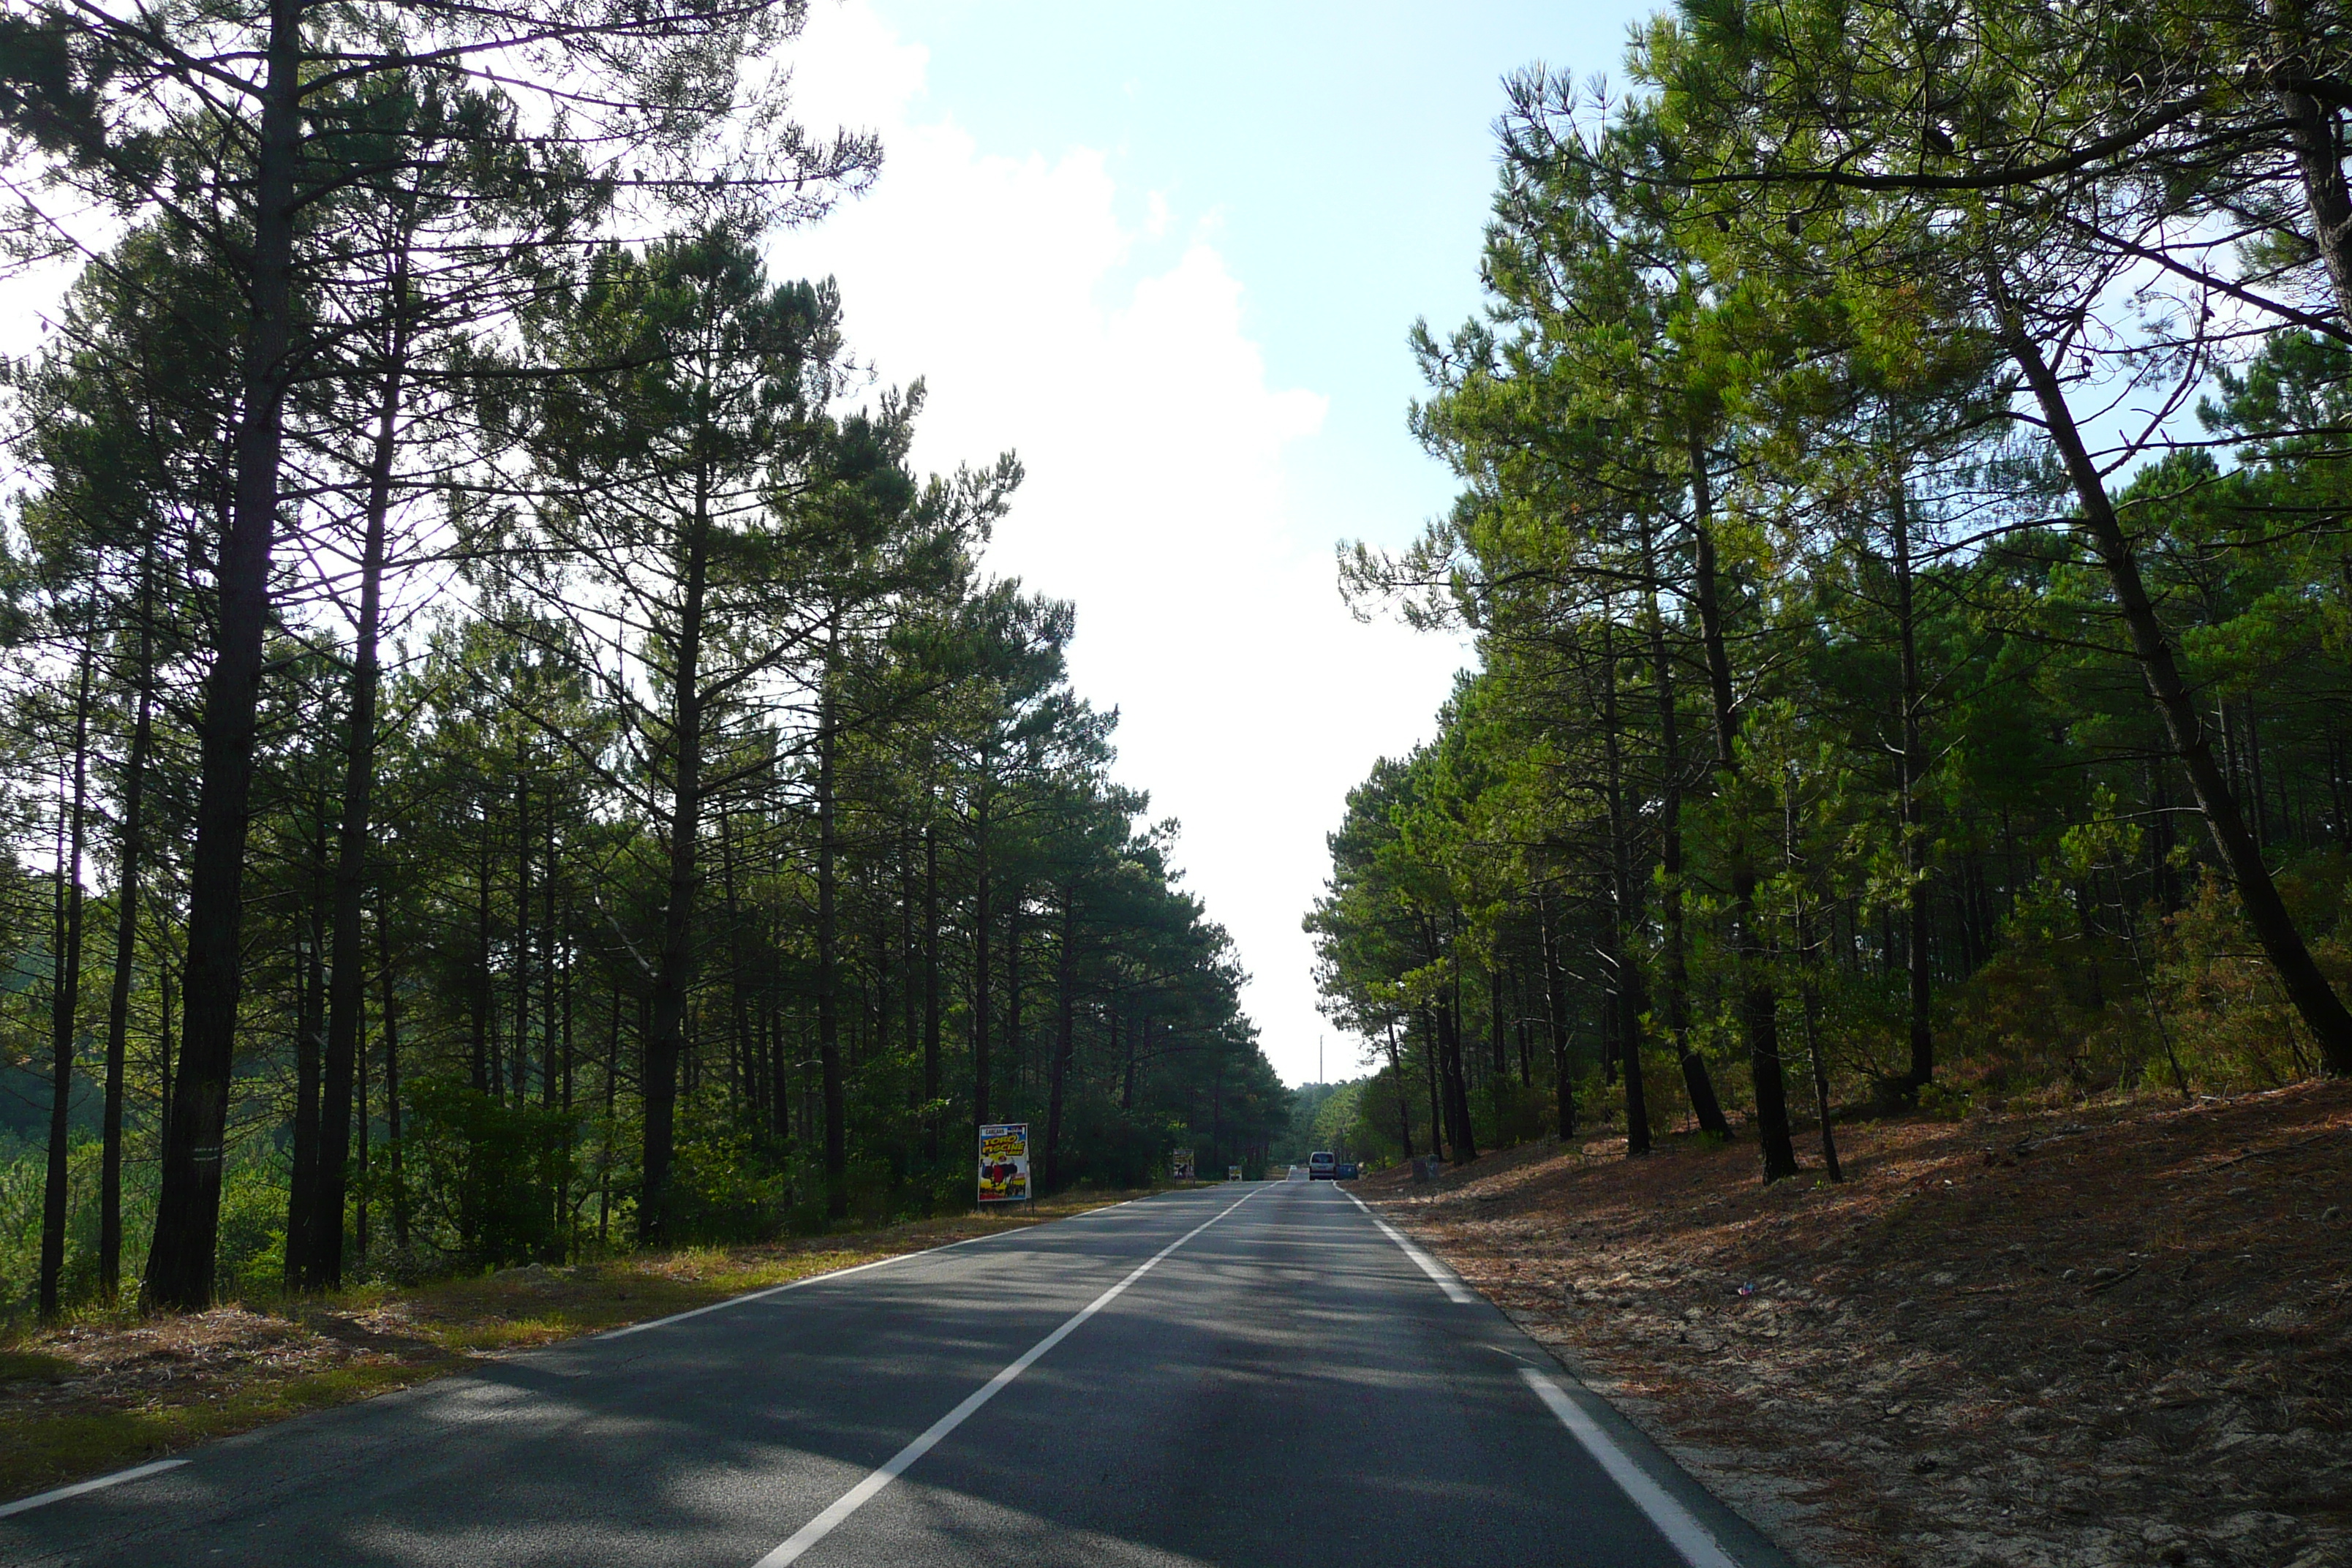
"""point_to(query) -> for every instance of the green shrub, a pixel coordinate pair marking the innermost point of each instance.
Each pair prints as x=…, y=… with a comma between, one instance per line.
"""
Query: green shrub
x=250, y=1258
x=722, y=1188
x=483, y=1177
x=1947, y=1101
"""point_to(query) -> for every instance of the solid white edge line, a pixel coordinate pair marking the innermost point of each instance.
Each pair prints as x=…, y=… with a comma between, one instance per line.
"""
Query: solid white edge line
x=627, y=1329
x=858, y=1496
x=116, y=1479
x=1455, y=1290
x=1089, y=1214
x=138, y=1472
x=1681, y=1528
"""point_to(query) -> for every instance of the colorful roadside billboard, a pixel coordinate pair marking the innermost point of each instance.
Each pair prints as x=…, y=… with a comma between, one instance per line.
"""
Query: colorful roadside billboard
x=1180, y=1166
x=1004, y=1163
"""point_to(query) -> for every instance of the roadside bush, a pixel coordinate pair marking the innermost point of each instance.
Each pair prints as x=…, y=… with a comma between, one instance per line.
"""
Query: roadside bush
x=1381, y=1105
x=722, y=1189
x=2229, y=1023
x=1507, y=1112
x=483, y=1177
x=249, y=1259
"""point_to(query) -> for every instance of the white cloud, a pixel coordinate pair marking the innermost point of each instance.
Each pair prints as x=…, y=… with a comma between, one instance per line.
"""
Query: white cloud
x=1111, y=351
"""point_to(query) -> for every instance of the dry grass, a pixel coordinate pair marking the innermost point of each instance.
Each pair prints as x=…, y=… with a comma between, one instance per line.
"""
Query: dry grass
x=114, y=1390
x=2112, y=1334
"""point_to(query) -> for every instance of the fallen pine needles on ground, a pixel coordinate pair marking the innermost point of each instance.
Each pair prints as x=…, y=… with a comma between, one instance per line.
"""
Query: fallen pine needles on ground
x=113, y=1390
x=2112, y=1334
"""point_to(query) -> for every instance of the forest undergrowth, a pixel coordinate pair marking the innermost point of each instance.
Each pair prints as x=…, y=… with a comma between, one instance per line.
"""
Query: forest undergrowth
x=112, y=1389
x=2115, y=1330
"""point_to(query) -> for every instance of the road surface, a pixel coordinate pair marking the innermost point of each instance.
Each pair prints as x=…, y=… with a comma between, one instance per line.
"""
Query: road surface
x=1253, y=1375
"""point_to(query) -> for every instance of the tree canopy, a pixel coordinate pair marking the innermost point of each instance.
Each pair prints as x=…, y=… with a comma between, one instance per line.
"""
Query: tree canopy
x=508, y=756
x=1897, y=523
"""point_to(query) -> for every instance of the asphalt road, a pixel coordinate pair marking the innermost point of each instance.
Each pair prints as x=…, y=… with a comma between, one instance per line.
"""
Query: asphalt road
x=1255, y=1376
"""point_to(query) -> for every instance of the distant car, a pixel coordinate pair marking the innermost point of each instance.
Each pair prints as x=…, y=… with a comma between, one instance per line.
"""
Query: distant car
x=1346, y=1171
x=1322, y=1165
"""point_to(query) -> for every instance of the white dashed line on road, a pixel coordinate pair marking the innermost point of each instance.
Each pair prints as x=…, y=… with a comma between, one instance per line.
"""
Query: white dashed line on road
x=858, y=1496
x=116, y=1479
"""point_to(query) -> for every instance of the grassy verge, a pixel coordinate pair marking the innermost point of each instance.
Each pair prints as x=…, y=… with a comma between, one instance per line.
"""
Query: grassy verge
x=112, y=1389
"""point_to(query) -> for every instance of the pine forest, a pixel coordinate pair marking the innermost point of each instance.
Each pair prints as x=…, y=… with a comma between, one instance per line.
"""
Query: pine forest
x=1900, y=528
x=705, y=856
x=506, y=758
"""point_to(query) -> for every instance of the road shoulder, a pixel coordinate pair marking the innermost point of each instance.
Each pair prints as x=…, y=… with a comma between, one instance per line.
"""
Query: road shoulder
x=2112, y=1332
x=110, y=1391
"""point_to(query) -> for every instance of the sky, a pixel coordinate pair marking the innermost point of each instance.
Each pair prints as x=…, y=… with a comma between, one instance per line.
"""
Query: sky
x=1169, y=256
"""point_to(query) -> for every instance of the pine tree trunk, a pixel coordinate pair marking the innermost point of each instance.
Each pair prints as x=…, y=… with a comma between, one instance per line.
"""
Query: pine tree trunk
x=2312, y=132
x=932, y=1083
x=828, y=943
x=612, y=1095
x=1439, y=1125
x=360, y=1153
x=1496, y=1043
x=64, y=994
x=324, y=1268
x=1624, y=914
x=1556, y=1018
x=1064, y=1037
x=1126, y=1075
x=551, y=990
x=164, y=1055
x=1012, y=987
x=187, y=1214
x=1403, y=1098
x=392, y=1076
x=739, y=1002
x=1912, y=769
x=979, y=969
x=1460, y=1134
x=1706, y=1109
x=486, y=1077
x=674, y=972
x=519, y=1061
x=126, y=939
x=911, y=961
x=1808, y=959
x=1525, y=1027
x=2322, y=1011
x=566, y=1209
x=309, y=1035
x=555, y=1043
x=1758, y=1005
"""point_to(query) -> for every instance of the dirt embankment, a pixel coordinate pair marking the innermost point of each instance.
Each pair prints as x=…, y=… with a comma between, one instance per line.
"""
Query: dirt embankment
x=2102, y=1335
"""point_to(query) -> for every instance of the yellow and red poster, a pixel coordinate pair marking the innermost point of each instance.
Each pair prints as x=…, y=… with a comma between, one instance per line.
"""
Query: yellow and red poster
x=1004, y=1163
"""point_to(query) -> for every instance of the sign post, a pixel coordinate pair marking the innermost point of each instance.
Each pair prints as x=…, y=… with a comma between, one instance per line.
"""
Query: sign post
x=1180, y=1166
x=1004, y=1163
